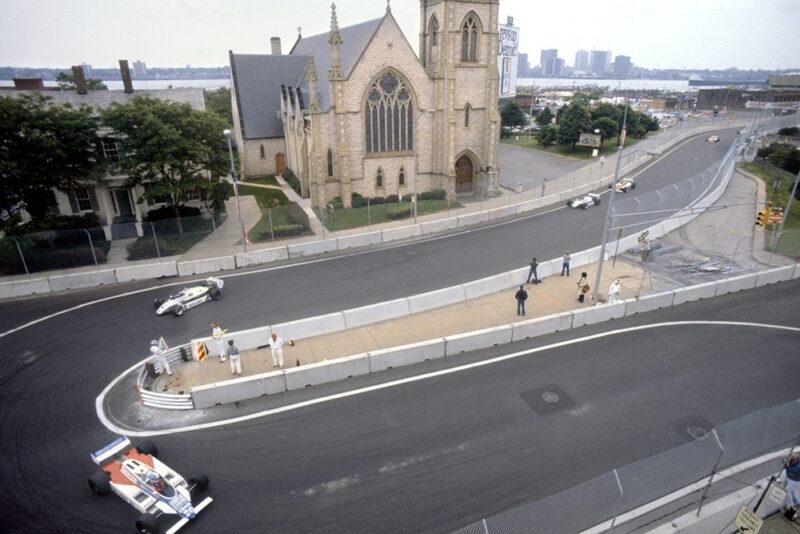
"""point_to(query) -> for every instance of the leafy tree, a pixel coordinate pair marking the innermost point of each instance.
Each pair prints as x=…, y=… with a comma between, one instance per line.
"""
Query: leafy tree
x=544, y=117
x=171, y=147
x=607, y=127
x=219, y=101
x=67, y=83
x=512, y=114
x=791, y=131
x=784, y=156
x=547, y=135
x=604, y=109
x=581, y=99
x=573, y=120
x=44, y=147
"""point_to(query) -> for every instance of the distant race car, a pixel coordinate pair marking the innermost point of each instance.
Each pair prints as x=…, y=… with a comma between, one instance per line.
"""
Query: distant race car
x=712, y=139
x=624, y=185
x=147, y=484
x=189, y=297
x=583, y=202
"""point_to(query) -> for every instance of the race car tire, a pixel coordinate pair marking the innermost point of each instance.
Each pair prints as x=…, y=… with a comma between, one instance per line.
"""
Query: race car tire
x=584, y=206
x=178, y=310
x=597, y=202
x=198, y=483
x=147, y=447
x=100, y=483
x=569, y=203
x=633, y=186
x=157, y=303
x=148, y=524
x=216, y=294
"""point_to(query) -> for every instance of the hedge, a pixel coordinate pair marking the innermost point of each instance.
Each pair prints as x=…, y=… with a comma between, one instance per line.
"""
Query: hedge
x=399, y=212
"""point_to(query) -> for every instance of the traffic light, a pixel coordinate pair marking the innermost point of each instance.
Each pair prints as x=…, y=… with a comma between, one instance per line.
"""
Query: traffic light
x=761, y=218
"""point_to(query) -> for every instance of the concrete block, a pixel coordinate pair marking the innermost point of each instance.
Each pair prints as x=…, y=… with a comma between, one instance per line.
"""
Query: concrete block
x=541, y=326
x=598, y=314
x=146, y=272
x=245, y=340
x=259, y=257
x=549, y=268
x=529, y=205
x=405, y=355
x=796, y=274
x=472, y=218
x=781, y=274
x=20, y=288
x=648, y=303
x=79, y=280
x=491, y=284
x=577, y=261
x=435, y=299
x=310, y=248
x=688, y=294
x=499, y=213
x=442, y=225
x=736, y=283
x=208, y=265
x=479, y=339
x=375, y=313
x=310, y=327
x=238, y=389
x=359, y=240
x=325, y=372
x=404, y=232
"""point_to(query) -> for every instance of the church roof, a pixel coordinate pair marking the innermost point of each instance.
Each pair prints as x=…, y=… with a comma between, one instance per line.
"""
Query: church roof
x=257, y=80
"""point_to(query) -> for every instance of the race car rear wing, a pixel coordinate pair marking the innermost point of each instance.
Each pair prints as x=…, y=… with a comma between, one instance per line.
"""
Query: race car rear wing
x=117, y=446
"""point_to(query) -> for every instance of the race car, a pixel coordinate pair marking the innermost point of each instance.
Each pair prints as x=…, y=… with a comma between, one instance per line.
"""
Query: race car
x=712, y=139
x=584, y=201
x=189, y=297
x=147, y=484
x=624, y=185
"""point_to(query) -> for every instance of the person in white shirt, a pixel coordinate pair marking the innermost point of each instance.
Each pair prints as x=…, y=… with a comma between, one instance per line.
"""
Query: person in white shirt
x=613, y=292
x=277, y=350
x=158, y=356
x=217, y=333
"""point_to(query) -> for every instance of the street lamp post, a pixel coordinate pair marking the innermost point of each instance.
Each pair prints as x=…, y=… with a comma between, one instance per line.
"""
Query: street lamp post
x=227, y=134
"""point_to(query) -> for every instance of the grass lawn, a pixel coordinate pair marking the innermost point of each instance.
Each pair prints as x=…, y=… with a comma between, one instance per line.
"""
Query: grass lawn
x=342, y=219
x=264, y=180
x=789, y=244
x=273, y=202
x=266, y=198
x=169, y=242
x=578, y=152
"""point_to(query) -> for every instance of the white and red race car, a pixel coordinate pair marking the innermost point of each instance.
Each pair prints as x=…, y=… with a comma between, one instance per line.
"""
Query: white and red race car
x=624, y=185
x=147, y=484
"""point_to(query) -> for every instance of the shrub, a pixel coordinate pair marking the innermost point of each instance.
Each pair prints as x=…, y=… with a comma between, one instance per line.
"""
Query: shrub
x=392, y=199
x=399, y=212
x=296, y=215
x=285, y=230
x=292, y=180
x=56, y=222
x=790, y=131
x=436, y=194
x=167, y=212
x=358, y=201
x=375, y=201
x=336, y=203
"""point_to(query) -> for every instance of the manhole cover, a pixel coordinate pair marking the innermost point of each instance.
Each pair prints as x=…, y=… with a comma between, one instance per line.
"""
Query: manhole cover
x=697, y=433
x=549, y=396
x=547, y=399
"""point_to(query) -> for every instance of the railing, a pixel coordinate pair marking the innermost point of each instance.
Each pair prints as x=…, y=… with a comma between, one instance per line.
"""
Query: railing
x=171, y=401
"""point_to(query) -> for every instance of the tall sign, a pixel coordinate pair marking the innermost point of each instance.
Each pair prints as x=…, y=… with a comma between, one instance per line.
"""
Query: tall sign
x=507, y=58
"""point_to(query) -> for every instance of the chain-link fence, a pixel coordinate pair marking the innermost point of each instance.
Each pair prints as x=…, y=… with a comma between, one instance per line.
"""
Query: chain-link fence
x=52, y=249
x=707, y=454
x=172, y=237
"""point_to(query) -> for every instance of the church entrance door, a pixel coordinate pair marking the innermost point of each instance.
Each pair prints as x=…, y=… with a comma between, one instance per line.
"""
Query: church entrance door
x=464, y=175
x=280, y=163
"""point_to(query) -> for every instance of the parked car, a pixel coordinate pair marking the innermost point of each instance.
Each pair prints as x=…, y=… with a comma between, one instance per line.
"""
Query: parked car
x=189, y=297
x=584, y=201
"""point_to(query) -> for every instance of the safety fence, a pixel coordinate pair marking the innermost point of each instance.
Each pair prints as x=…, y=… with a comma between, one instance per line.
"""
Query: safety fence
x=53, y=249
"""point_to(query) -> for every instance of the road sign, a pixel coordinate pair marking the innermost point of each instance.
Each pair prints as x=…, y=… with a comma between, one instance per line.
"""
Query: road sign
x=747, y=521
x=775, y=217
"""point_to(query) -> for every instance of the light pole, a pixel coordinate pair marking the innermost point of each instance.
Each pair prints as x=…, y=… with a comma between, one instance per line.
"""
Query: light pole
x=227, y=134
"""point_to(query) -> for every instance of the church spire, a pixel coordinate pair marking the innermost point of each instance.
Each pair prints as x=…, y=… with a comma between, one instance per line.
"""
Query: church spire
x=388, y=7
x=335, y=40
x=313, y=105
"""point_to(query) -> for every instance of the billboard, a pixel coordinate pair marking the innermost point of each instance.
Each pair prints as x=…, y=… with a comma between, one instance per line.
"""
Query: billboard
x=507, y=58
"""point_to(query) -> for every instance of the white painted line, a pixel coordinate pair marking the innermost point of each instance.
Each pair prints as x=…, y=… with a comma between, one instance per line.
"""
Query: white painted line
x=113, y=427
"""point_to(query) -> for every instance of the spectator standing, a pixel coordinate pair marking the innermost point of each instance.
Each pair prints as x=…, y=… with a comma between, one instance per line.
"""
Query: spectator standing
x=521, y=297
x=158, y=356
x=217, y=333
x=613, y=292
x=235, y=358
x=533, y=272
x=583, y=287
x=565, y=264
x=792, y=466
x=276, y=345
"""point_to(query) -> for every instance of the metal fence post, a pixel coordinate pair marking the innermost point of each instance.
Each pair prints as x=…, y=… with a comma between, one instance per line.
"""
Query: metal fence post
x=271, y=229
x=21, y=255
x=713, y=472
x=369, y=216
x=155, y=240
x=91, y=245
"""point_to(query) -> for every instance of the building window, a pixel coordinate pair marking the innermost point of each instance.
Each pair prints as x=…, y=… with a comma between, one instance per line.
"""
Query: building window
x=469, y=39
x=389, y=126
x=402, y=178
x=262, y=152
x=330, y=162
x=379, y=179
x=110, y=150
x=434, y=31
x=83, y=200
x=467, y=109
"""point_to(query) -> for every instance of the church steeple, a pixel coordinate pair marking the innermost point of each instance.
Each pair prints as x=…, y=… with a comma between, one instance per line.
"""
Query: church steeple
x=335, y=40
x=313, y=105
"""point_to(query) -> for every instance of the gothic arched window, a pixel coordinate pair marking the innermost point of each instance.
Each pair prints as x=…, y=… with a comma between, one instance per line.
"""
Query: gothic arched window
x=389, y=115
x=469, y=39
x=402, y=178
x=330, y=162
x=467, y=109
x=263, y=152
x=379, y=179
x=434, y=31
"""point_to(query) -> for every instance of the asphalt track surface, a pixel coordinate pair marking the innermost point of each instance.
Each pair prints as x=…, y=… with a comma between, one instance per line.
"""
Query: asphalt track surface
x=427, y=456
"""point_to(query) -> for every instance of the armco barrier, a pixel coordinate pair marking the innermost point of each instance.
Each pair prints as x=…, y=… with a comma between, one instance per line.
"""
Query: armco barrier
x=257, y=257
x=404, y=232
x=648, y=303
x=22, y=288
x=383, y=311
x=598, y=314
x=480, y=339
x=488, y=285
x=238, y=389
x=359, y=240
x=309, y=248
x=80, y=280
x=435, y=299
x=208, y=265
x=542, y=326
x=781, y=274
x=313, y=326
x=439, y=226
x=737, y=283
x=328, y=371
x=688, y=294
x=146, y=272
x=380, y=360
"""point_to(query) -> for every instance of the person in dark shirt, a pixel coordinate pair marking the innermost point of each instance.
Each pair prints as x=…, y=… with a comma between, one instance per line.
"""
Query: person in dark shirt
x=521, y=297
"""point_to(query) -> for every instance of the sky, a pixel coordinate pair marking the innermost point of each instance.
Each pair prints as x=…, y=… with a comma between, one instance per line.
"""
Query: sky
x=681, y=34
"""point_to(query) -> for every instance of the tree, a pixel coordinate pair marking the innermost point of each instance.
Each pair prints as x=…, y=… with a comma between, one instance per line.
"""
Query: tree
x=512, y=114
x=790, y=131
x=219, y=101
x=67, y=83
x=547, y=135
x=604, y=109
x=544, y=117
x=784, y=156
x=607, y=127
x=573, y=120
x=169, y=147
x=44, y=147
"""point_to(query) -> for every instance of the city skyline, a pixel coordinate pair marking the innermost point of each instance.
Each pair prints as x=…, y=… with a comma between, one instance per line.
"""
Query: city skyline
x=713, y=34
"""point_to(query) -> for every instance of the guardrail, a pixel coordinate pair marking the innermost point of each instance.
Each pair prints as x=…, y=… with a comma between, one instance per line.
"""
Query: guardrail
x=145, y=379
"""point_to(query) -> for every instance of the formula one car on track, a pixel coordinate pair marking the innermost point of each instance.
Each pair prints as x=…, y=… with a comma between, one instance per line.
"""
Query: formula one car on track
x=713, y=139
x=147, y=484
x=189, y=297
x=584, y=201
x=624, y=185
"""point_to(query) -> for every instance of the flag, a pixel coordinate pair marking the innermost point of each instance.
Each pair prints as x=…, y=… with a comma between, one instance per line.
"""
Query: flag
x=162, y=344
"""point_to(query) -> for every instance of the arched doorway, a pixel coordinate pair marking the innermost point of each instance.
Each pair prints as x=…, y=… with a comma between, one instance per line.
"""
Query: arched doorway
x=464, y=174
x=280, y=163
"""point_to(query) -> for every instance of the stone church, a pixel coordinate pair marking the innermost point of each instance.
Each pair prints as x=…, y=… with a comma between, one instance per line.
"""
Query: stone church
x=355, y=110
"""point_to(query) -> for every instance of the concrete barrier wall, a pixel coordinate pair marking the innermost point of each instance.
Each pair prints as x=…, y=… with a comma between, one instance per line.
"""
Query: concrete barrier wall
x=439, y=226
x=737, y=283
x=404, y=232
x=80, y=280
x=530, y=205
x=146, y=272
x=313, y=326
x=359, y=240
x=648, y=303
x=324, y=372
x=499, y=213
x=781, y=274
x=549, y=268
x=488, y=285
x=471, y=218
x=245, y=340
x=479, y=339
x=208, y=265
x=541, y=326
x=309, y=248
x=796, y=274
x=258, y=257
x=598, y=314
x=238, y=389
x=435, y=299
x=375, y=313
x=381, y=360
x=21, y=288
x=688, y=294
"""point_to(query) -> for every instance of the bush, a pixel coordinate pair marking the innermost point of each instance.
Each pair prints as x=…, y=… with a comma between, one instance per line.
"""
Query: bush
x=436, y=194
x=167, y=212
x=791, y=131
x=56, y=222
x=376, y=201
x=284, y=230
x=399, y=212
x=358, y=201
x=336, y=203
x=296, y=215
x=292, y=180
x=392, y=199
